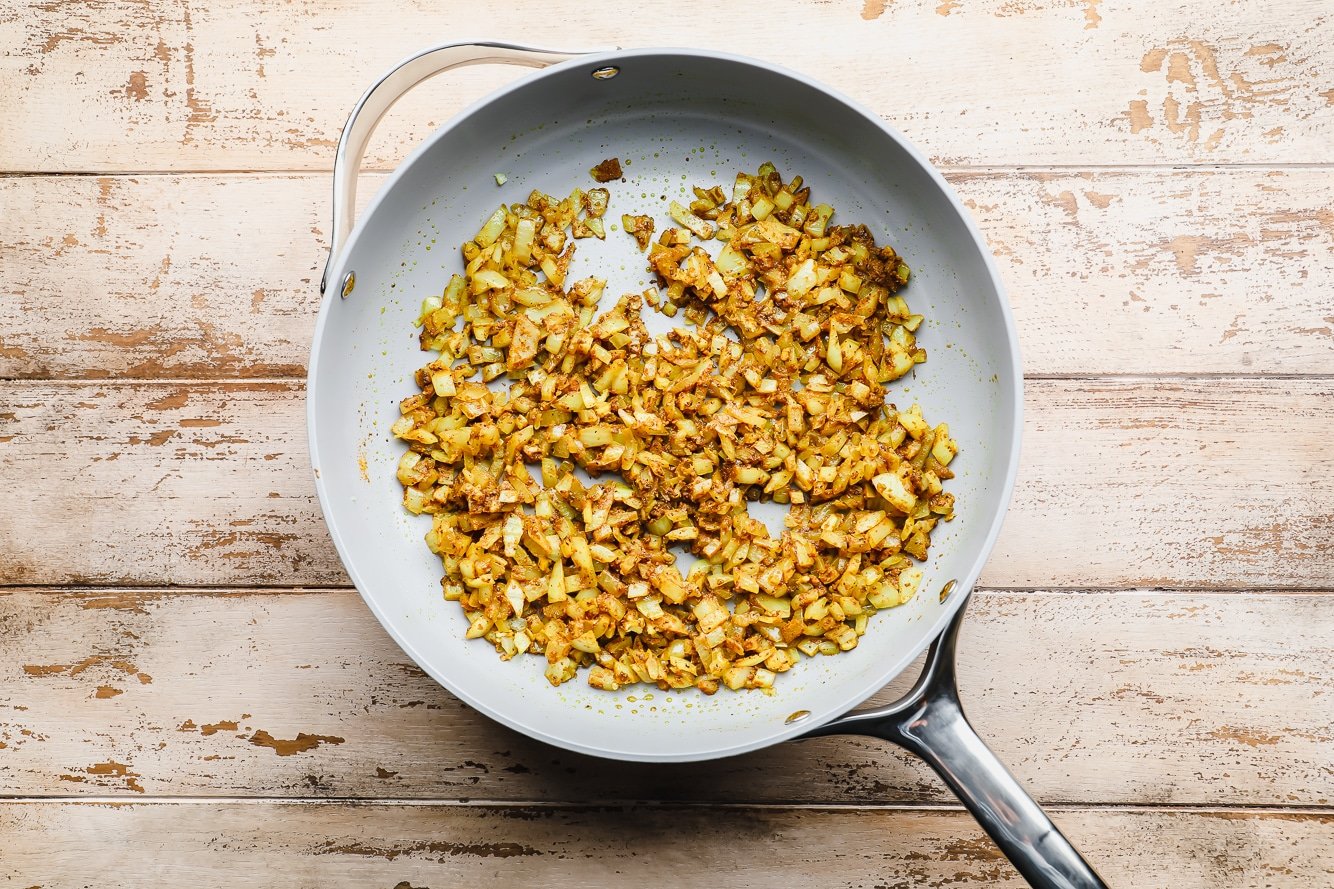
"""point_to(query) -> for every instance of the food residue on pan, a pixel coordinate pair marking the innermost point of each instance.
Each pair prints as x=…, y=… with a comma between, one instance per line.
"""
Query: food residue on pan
x=774, y=391
x=608, y=170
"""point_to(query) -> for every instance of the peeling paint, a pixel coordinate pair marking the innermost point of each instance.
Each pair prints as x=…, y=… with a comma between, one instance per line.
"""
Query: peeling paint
x=300, y=744
x=440, y=851
x=1248, y=737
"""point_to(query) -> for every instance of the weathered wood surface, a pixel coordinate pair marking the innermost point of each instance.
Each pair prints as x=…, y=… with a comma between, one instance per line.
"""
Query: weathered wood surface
x=250, y=85
x=1132, y=697
x=1217, y=483
x=215, y=276
x=1156, y=183
x=258, y=844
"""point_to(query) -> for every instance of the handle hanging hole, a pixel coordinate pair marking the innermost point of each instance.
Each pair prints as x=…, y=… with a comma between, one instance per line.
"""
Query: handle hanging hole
x=607, y=72
x=349, y=281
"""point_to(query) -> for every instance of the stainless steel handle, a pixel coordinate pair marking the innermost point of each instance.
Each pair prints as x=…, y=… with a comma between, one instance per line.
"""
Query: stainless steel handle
x=929, y=721
x=388, y=90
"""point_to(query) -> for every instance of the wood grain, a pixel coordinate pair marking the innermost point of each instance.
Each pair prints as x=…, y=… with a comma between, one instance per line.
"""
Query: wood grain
x=1133, y=697
x=1219, y=483
x=115, y=276
x=208, y=704
x=419, y=846
x=174, y=483
x=214, y=276
x=196, y=86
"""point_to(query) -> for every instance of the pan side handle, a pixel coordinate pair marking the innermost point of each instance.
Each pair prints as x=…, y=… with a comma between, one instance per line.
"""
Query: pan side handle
x=389, y=89
x=929, y=721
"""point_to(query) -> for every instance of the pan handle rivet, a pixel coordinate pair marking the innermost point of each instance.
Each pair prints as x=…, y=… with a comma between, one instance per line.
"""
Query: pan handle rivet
x=606, y=72
x=797, y=717
x=349, y=281
x=946, y=590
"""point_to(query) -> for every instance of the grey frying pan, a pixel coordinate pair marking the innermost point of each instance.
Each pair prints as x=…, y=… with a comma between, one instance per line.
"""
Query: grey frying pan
x=675, y=118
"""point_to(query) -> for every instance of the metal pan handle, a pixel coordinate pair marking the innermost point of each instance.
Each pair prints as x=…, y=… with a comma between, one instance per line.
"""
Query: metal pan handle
x=388, y=90
x=929, y=722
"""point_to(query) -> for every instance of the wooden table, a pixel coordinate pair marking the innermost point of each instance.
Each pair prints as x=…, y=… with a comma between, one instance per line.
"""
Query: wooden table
x=191, y=694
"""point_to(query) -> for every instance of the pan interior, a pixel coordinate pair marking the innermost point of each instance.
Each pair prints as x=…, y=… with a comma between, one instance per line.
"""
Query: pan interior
x=674, y=119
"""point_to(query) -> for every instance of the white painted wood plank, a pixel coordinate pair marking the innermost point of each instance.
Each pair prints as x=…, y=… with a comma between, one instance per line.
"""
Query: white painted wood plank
x=215, y=276
x=257, y=844
x=1219, y=483
x=1165, y=698
x=249, y=85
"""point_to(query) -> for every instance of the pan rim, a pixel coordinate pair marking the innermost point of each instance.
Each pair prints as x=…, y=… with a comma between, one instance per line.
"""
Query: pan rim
x=849, y=696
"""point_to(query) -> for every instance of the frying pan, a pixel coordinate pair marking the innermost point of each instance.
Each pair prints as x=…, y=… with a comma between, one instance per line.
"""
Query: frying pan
x=675, y=118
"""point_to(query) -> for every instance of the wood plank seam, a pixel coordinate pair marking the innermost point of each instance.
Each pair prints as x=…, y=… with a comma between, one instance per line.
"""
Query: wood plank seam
x=1055, y=808
x=150, y=590
x=943, y=167
x=297, y=382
